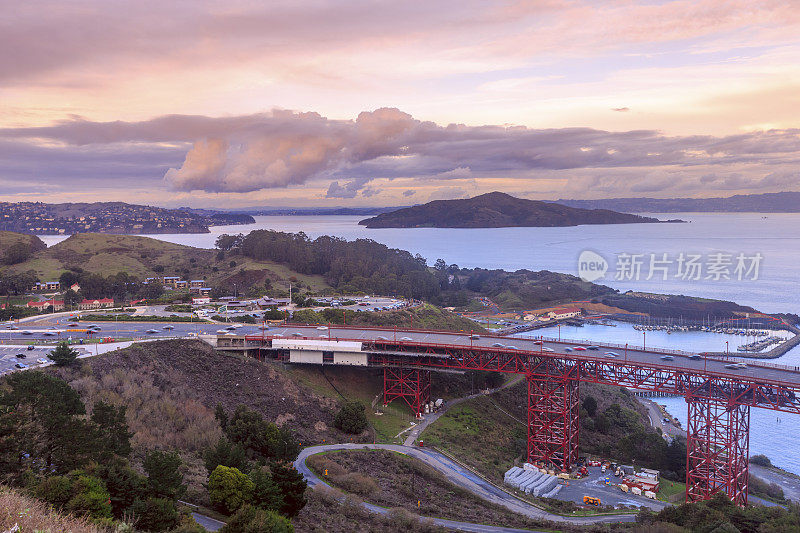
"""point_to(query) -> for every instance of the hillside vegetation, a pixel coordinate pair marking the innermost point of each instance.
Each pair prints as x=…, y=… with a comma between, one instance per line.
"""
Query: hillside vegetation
x=143, y=257
x=30, y=514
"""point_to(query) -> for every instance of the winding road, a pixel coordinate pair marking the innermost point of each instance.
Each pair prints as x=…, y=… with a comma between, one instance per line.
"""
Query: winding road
x=459, y=476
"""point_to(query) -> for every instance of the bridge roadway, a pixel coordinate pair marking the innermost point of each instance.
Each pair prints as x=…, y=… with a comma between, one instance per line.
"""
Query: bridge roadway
x=758, y=384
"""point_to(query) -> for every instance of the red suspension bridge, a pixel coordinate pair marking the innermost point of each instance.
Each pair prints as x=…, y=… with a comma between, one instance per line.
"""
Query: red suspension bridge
x=719, y=397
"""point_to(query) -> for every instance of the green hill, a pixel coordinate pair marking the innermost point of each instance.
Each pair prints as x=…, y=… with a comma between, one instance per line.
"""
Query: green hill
x=144, y=257
x=497, y=210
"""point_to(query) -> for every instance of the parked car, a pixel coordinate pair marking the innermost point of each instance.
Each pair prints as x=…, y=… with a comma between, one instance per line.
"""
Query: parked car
x=21, y=356
x=21, y=365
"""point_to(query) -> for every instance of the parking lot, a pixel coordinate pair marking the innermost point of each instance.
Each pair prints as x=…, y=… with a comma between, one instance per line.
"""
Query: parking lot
x=8, y=356
x=594, y=485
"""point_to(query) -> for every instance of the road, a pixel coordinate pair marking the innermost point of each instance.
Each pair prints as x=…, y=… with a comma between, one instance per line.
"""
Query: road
x=457, y=475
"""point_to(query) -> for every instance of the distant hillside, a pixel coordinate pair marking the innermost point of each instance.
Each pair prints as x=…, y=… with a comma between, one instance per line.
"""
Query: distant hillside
x=108, y=217
x=497, y=210
x=778, y=202
x=143, y=257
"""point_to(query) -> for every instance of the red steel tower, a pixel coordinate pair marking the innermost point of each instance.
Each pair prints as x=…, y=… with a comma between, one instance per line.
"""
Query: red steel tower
x=412, y=384
x=553, y=415
x=717, y=445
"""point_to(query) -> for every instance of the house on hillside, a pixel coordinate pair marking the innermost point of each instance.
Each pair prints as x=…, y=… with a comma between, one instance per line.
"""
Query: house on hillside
x=46, y=286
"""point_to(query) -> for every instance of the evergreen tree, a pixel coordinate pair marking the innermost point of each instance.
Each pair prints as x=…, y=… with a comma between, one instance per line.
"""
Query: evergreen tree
x=164, y=477
x=351, y=418
x=266, y=494
x=114, y=436
x=226, y=453
x=41, y=426
x=63, y=355
x=292, y=487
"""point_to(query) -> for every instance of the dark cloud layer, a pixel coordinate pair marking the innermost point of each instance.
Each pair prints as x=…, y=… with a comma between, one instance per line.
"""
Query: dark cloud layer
x=284, y=148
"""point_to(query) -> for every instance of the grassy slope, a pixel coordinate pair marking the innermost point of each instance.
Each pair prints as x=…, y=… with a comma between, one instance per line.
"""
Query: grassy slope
x=425, y=316
x=110, y=254
x=30, y=514
x=10, y=238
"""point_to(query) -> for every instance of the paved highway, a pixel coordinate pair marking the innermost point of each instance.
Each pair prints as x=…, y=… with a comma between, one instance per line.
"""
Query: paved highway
x=699, y=364
x=459, y=476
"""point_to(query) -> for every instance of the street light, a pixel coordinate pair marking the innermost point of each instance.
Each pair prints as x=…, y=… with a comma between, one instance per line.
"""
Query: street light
x=644, y=341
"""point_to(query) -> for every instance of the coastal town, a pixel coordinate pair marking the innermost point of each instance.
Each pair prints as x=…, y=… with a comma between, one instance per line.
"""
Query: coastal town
x=106, y=217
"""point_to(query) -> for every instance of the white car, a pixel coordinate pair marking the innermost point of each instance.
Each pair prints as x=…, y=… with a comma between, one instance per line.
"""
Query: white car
x=406, y=339
x=169, y=327
x=546, y=349
x=41, y=360
x=667, y=358
x=498, y=345
x=322, y=328
x=612, y=354
x=222, y=331
x=151, y=331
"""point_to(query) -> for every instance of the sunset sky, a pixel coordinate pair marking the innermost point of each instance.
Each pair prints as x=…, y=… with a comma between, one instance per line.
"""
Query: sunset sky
x=324, y=103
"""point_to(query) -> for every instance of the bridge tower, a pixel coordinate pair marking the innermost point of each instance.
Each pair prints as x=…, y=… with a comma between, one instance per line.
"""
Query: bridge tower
x=553, y=406
x=412, y=384
x=717, y=446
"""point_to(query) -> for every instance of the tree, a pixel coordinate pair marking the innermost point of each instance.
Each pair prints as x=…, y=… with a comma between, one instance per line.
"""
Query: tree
x=113, y=434
x=250, y=519
x=41, y=426
x=351, y=418
x=72, y=299
x=292, y=487
x=78, y=492
x=229, y=489
x=155, y=514
x=260, y=438
x=124, y=485
x=63, y=355
x=226, y=453
x=227, y=242
x=17, y=253
x=164, y=477
x=221, y=416
x=152, y=290
x=90, y=496
x=266, y=494
x=590, y=404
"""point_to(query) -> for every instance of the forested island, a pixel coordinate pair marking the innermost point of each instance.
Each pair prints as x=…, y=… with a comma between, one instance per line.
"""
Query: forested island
x=498, y=210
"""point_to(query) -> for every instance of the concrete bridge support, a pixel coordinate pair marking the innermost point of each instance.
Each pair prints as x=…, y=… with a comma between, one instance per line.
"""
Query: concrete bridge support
x=553, y=425
x=717, y=447
x=412, y=384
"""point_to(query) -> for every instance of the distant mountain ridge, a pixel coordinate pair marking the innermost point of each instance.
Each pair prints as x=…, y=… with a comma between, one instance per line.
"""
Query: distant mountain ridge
x=777, y=202
x=497, y=210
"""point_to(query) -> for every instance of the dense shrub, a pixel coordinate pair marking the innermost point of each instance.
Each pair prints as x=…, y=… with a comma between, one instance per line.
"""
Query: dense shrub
x=351, y=418
x=229, y=489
